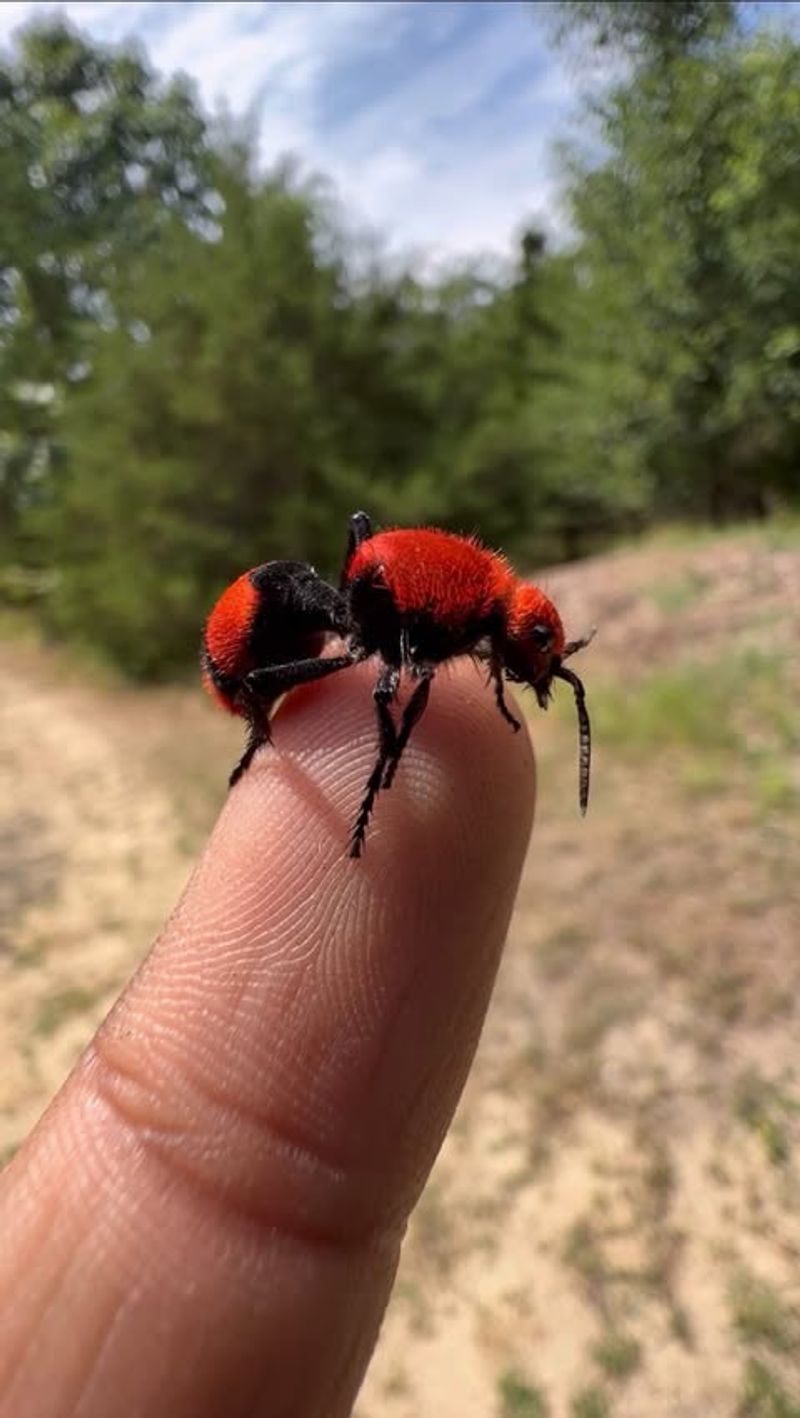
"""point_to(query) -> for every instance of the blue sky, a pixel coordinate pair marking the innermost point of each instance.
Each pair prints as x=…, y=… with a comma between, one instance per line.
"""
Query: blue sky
x=435, y=119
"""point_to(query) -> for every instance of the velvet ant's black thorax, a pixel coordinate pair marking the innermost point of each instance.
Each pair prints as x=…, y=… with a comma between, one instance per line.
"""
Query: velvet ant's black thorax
x=296, y=611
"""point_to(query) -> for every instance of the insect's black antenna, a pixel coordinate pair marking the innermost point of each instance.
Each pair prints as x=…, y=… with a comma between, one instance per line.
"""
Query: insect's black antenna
x=574, y=645
x=584, y=733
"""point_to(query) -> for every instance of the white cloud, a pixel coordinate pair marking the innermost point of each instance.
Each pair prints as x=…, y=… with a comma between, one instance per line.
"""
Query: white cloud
x=440, y=135
x=418, y=164
x=271, y=56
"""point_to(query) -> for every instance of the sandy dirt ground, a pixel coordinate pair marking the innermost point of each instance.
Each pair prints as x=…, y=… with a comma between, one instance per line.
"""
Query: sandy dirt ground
x=613, y=1226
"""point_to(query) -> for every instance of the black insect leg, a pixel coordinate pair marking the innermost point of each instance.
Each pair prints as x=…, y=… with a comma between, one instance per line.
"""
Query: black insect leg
x=262, y=687
x=412, y=714
x=385, y=691
x=257, y=735
x=496, y=674
x=273, y=680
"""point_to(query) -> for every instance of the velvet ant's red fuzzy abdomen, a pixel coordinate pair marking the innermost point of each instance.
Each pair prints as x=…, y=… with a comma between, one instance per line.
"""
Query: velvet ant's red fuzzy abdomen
x=229, y=625
x=450, y=577
x=227, y=638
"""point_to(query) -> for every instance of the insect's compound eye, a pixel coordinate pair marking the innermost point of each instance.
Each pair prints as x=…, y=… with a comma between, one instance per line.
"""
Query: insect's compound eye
x=541, y=636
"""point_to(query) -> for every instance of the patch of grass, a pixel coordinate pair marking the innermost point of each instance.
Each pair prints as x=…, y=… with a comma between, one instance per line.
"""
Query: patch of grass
x=566, y=1085
x=607, y=998
x=17, y=623
x=619, y=1355
x=718, y=1172
x=663, y=1248
x=778, y=533
x=678, y=595
x=583, y=1252
x=433, y=1231
x=397, y=1384
x=774, y=784
x=30, y=956
x=658, y=1176
x=681, y=708
x=761, y=1316
x=590, y=1402
x=420, y=1314
x=561, y=949
x=57, y=1008
x=680, y=1325
x=766, y=1108
x=723, y=995
x=705, y=777
x=519, y=1399
x=781, y=533
x=8, y=1152
x=713, y=707
x=763, y=1394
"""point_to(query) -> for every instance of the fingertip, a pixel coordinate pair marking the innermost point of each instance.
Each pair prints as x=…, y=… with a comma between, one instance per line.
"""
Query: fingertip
x=466, y=777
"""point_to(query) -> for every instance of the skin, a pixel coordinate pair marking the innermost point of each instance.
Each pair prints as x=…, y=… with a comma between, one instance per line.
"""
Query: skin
x=208, y=1218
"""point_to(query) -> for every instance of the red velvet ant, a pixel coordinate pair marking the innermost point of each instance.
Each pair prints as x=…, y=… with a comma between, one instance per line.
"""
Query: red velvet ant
x=414, y=598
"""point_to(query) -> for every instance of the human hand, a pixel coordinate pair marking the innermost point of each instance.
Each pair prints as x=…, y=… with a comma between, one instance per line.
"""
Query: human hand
x=208, y=1218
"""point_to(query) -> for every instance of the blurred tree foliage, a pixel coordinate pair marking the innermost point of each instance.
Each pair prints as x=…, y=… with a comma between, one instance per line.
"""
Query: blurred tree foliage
x=96, y=155
x=199, y=371
x=687, y=230
x=650, y=32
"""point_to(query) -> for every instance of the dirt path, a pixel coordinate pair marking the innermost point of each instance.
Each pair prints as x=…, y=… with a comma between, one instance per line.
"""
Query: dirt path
x=89, y=868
